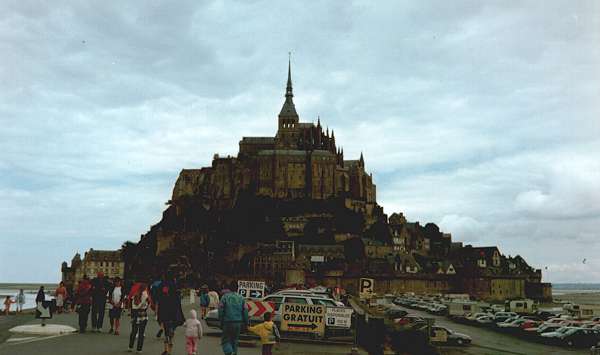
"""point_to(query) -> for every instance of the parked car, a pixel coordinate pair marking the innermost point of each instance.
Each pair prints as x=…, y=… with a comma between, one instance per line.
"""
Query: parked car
x=557, y=334
x=545, y=315
x=508, y=320
x=473, y=317
x=514, y=324
x=541, y=329
x=498, y=308
x=560, y=321
x=212, y=317
x=306, y=293
x=395, y=312
x=411, y=322
x=580, y=337
x=529, y=324
x=503, y=316
x=453, y=337
x=439, y=309
x=485, y=319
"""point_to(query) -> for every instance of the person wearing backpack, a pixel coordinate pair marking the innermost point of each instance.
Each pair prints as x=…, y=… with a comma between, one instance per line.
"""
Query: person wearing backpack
x=268, y=333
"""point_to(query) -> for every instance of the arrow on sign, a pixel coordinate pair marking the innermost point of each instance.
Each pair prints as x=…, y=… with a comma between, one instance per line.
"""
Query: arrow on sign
x=256, y=294
x=258, y=308
x=311, y=326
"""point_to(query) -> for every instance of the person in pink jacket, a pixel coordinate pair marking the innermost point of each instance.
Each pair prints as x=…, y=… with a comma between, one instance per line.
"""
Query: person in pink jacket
x=193, y=333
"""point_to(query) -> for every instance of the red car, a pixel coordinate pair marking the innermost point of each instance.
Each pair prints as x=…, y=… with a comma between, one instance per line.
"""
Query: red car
x=530, y=324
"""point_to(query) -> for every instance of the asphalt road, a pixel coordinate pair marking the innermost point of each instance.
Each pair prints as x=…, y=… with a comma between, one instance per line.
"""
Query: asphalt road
x=104, y=343
x=490, y=342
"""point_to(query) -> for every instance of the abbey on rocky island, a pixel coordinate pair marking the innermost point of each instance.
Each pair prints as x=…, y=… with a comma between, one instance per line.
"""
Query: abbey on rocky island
x=301, y=161
x=290, y=209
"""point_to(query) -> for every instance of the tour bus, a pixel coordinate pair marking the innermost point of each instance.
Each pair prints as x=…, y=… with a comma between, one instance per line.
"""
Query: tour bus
x=462, y=308
x=525, y=306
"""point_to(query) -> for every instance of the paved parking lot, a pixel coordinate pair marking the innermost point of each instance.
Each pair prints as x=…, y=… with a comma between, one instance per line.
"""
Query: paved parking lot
x=488, y=341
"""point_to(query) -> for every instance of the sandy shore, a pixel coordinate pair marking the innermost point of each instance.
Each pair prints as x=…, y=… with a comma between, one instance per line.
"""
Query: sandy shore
x=579, y=298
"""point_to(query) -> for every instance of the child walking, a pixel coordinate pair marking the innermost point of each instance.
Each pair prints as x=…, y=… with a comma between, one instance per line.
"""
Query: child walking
x=268, y=333
x=7, y=302
x=193, y=333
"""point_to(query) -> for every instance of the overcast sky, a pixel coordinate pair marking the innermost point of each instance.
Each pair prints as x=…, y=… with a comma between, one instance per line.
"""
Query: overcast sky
x=482, y=117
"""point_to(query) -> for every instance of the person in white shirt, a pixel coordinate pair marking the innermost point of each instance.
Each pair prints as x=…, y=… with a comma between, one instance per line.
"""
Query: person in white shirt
x=115, y=304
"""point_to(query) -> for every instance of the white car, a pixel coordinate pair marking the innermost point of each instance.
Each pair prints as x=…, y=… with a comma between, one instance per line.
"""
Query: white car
x=487, y=319
x=515, y=323
x=498, y=308
x=473, y=317
x=558, y=333
x=212, y=318
x=305, y=293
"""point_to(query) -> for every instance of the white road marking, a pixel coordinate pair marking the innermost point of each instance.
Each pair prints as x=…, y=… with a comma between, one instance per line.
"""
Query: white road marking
x=31, y=340
x=19, y=339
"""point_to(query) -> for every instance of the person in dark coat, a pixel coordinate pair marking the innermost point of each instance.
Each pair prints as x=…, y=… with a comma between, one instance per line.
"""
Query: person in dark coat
x=169, y=311
x=100, y=288
x=155, y=288
x=41, y=311
x=83, y=300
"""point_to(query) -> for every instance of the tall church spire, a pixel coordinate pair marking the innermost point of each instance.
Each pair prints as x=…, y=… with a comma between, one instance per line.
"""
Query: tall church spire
x=289, y=109
x=288, y=90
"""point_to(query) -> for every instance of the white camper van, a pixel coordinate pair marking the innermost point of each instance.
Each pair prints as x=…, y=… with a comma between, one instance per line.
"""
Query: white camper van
x=584, y=311
x=461, y=308
x=525, y=306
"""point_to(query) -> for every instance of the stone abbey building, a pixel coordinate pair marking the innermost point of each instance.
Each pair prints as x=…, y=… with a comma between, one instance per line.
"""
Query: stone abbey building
x=291, y=209
x=301, y=161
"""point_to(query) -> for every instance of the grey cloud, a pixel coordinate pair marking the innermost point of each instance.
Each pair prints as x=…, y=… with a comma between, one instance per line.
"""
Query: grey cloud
x=481, y=117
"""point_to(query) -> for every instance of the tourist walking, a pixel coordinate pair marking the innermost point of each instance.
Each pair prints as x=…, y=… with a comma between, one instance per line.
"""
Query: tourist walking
x=139, y=301
x=193, y=333
x=41, y=295
x=7, y=302
x=169, y=311
x=213, y=297
x=233, y=315
x=20, y=300
x=83, y=300
x=61, y=297
x=100, y=288
x=268, y=333
x=42, y=311
x=115, y=300
x=204, y=301
x=154, y=291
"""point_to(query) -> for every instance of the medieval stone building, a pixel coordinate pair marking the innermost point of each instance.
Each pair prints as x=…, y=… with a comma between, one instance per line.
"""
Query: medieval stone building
x=301, y=161
x=291, y=207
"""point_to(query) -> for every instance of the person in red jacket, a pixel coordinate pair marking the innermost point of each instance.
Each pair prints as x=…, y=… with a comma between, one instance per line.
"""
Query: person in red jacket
x=83, y=300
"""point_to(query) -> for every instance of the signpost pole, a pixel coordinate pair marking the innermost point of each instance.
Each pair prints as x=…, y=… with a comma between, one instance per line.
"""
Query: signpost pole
x=354, y=350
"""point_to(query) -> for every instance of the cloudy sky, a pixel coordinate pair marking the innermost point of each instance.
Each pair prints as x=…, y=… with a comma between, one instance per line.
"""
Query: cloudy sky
x=482, y=117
